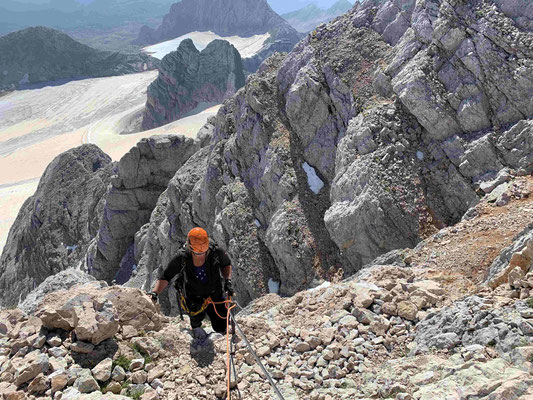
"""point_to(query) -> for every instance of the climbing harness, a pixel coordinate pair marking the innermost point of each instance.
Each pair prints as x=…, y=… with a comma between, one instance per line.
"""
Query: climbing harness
x=183, y=306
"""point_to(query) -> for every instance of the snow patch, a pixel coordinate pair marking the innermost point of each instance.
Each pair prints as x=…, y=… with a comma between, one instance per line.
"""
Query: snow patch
x=273, y=286
x=315, y=183
x=247, y=47
x=321, y=286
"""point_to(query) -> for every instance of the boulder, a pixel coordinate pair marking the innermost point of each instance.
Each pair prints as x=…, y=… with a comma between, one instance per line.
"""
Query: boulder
x=39, y=384
x=58, y=380
x=61, y=281
x=407, y=310
x=86, y=384
x=95, y=312
x=102, y=371
x=29, y=367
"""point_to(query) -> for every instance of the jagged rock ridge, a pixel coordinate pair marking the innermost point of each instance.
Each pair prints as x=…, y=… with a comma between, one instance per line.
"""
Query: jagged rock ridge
x=41, y=54
x=188, y=77
x=55, y=226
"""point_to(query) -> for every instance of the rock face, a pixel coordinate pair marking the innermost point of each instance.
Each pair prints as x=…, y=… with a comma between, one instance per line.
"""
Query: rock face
x=188, y=77
x=140, y=178
x=55, y=226
x=42, y=54
x=390, y=111
x=375, y=132
x=518, y=255
x=225, y=18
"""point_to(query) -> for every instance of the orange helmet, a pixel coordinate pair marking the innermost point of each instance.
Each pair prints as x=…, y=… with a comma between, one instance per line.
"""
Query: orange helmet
x=198, y=240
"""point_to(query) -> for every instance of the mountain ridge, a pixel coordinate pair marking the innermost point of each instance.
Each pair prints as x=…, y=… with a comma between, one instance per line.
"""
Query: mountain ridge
x=41, y=54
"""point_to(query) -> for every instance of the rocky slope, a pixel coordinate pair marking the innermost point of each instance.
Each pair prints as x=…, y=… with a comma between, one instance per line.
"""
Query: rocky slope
x=225, y=18
x=55, y=226
x=42, y=54
x=390, y=331
x=188, y=77
x=309, y=17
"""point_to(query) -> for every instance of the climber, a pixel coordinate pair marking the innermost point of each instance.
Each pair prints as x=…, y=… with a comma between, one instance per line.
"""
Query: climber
x=200, y=266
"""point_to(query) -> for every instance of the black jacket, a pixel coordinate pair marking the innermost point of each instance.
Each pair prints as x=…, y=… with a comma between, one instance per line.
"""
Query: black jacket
x=216, y=260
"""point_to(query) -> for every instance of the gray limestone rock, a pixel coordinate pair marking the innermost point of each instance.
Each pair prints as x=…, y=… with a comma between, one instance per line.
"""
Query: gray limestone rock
x=471, y=321
x=55, y=226
x=141, y=176
x=62, y=280
x=496, y=273
x=189, y=78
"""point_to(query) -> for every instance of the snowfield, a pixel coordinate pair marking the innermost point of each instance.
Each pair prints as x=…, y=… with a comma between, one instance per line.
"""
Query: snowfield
x=247, y=47
x=37, y=125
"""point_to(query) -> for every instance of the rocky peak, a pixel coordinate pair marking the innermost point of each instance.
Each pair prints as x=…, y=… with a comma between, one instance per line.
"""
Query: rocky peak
x=226, y=18
x=55, y=225
x=188, y=77
x=223, y=17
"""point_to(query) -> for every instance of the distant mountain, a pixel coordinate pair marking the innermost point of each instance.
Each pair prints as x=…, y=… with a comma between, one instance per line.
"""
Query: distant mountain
x=286, y=6
x=42, y=54
x=309, y=17
x=243, y=18
x=71, y=15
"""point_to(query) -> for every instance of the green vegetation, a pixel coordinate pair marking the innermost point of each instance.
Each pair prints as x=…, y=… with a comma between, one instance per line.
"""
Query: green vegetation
x=135, y=347
x=136, y=394
x=122, y=361
x=529, y=302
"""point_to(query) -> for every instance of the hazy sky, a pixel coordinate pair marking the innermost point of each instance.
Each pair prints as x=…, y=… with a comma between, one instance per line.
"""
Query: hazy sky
x=280, y=6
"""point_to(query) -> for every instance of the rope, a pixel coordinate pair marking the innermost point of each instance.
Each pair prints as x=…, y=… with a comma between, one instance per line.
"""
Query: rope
x=270, y=380
x=229, y=360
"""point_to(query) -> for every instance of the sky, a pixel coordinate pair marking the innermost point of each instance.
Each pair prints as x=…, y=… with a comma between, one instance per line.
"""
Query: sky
x=280, y=6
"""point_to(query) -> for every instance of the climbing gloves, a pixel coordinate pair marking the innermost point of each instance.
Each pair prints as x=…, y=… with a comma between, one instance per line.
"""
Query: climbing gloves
x=154, y=296
x=228, y=287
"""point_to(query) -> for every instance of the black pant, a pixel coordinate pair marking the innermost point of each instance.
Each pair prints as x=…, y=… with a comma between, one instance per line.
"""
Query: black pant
x=218, y=323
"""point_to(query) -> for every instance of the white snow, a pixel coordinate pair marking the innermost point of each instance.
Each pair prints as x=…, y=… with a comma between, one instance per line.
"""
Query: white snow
x=321, y=286
x=248, y=47
x=273, y=286
x=315, y=183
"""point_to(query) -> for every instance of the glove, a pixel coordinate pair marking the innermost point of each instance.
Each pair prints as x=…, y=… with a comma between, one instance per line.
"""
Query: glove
x=228, y=287
x=154, y=296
